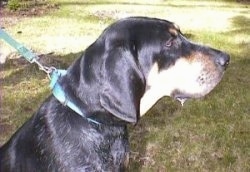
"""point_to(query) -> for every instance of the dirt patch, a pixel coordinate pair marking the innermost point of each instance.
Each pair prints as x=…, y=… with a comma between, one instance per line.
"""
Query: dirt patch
x=10, y=17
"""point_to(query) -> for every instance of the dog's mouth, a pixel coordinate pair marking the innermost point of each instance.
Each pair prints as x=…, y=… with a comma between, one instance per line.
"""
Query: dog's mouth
x=191, y=87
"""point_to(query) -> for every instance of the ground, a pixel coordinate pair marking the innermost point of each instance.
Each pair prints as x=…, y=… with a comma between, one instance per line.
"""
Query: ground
x=212, y=134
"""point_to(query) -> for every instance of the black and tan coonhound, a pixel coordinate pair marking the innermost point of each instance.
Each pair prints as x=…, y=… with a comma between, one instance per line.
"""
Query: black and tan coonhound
x=117, y=79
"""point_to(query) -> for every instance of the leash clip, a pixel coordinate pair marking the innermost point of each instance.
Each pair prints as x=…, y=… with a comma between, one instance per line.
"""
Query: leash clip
x=46, y=69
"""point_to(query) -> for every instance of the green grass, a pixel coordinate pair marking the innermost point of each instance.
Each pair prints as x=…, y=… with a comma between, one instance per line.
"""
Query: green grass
x=212, y=134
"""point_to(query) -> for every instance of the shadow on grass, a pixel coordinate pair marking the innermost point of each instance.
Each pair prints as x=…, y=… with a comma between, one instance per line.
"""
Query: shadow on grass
x=241, y=23
x=144, y=135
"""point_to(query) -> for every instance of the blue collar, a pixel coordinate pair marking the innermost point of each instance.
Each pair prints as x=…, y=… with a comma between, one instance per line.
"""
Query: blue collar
x=60, y=94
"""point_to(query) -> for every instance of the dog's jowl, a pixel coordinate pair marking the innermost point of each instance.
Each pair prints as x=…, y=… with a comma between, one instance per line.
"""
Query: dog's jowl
x=117, y=79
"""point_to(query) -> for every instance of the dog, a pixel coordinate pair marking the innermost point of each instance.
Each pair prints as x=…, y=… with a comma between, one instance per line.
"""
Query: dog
x=134, y=62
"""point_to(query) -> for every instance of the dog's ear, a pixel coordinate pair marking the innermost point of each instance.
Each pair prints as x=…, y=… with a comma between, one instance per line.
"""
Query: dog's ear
x=123, y=84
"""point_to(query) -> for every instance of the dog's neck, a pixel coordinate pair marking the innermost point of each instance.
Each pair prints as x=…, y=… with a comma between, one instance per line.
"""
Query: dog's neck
x=155, y=89
x=148, y=100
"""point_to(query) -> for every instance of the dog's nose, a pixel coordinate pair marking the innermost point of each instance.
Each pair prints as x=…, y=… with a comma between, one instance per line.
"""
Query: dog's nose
x=223, y=60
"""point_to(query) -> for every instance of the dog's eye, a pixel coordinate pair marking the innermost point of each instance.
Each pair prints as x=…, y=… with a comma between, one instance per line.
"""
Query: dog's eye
x=169, y=43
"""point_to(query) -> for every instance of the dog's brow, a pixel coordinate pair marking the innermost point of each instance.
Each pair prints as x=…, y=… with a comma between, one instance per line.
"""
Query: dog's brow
x=176, y=27
x=173, y=31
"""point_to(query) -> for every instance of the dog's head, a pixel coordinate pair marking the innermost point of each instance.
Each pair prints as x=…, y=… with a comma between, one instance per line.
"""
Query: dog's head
x=136, y=61
x=177, y=67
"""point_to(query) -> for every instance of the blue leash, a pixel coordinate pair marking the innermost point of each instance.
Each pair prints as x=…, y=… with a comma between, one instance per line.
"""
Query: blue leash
x=53, y=73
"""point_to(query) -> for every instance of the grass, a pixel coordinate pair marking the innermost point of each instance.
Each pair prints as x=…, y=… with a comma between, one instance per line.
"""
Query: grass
x=212, y=134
